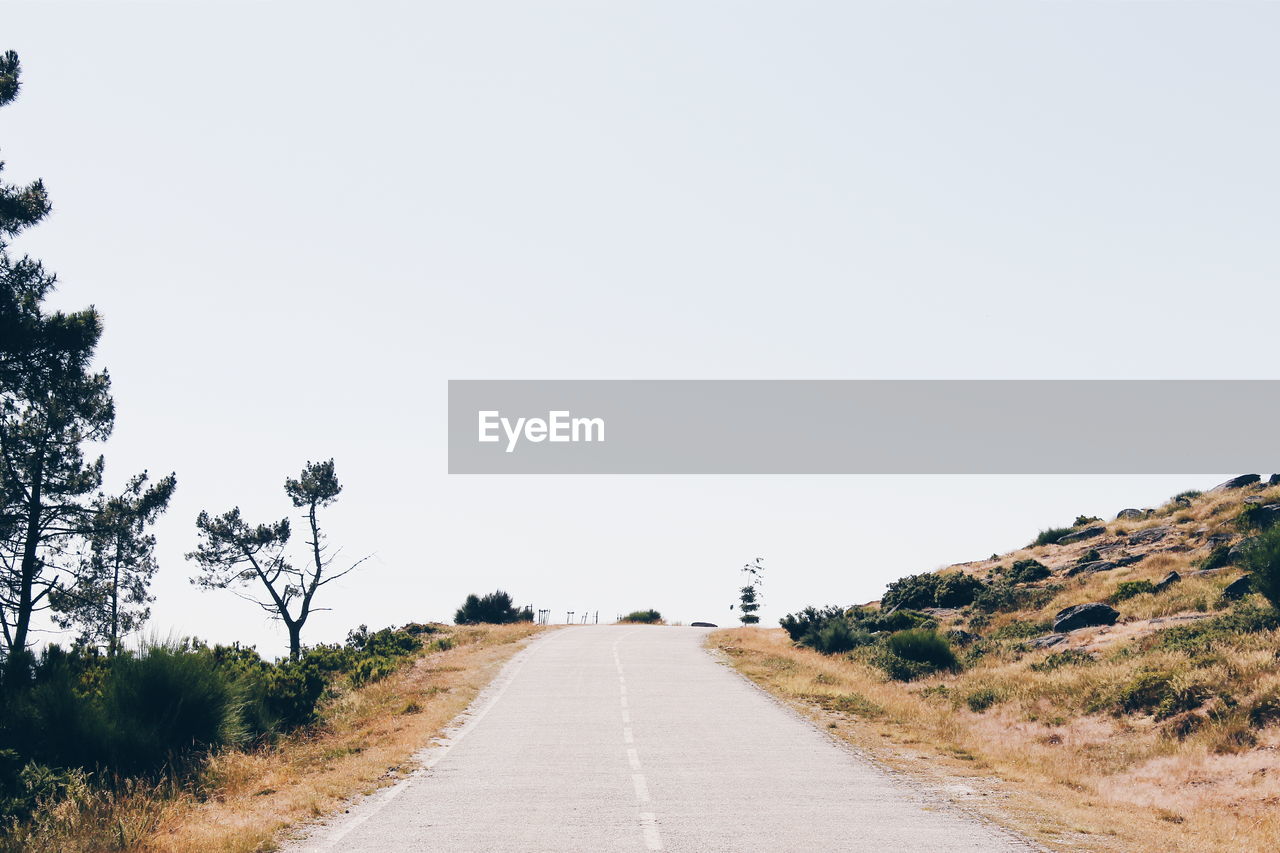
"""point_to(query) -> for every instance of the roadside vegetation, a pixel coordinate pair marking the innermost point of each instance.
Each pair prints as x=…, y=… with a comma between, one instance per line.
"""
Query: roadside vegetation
x=644, y=617
x=186, y=747
x=1118, y=680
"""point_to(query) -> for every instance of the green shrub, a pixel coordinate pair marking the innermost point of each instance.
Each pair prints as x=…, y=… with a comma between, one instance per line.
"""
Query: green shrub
x=496, y=608
x=1027, y=571
x=980, y=700
x=1090, y=556
x=1253, y=517
x=1261, y=558
x=1158, y=692
x=165, y=701
x=836, y=637
x=1217, y=558
x=913, y=592
x=1082, y=520
x=1050, y=536
x=1128, y=589
x=923, y=646
x=799, y=624
x=957, y=589
x=1199, y=637
x=1004, y=597
x=644, y=617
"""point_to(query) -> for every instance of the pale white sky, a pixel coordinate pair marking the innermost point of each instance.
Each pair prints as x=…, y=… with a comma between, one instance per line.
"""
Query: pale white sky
x=300, y=219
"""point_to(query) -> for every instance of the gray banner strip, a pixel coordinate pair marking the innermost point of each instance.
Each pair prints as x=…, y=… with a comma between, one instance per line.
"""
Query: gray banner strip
x=862, y=426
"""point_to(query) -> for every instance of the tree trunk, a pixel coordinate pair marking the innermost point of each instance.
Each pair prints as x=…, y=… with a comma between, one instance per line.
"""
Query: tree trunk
x=295, y=640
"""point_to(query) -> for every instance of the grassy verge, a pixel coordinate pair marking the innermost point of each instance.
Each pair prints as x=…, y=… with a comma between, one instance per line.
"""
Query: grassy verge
x=243, y=800
x=1077, y=780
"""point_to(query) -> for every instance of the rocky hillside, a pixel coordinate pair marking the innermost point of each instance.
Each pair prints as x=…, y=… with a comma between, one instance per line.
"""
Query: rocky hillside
x=1122, y=676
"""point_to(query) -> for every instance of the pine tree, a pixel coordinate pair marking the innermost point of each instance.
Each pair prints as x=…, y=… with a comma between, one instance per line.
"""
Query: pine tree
x=111, y=596
x=234, y=554
x=51, y=404
x=749, y=595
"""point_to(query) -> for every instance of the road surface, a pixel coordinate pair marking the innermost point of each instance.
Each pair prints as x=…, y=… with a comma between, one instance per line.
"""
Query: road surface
x=634, y=738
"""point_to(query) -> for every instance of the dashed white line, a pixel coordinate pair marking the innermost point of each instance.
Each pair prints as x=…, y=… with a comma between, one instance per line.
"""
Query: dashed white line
x=642, y=788
x=633, y=758
x=649, y=823
x=627, y=736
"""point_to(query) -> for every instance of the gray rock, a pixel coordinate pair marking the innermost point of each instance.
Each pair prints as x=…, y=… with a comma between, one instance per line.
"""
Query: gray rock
x=1237, y=550
x=1255, y=499
x=1130, y=514
x=1268, y=515
x=1082, y=534
x=1238, y=588
x=1152, y=534
x=1169, y=580
x=1274, y=480
x=1084, y=616
x=1129, y=560
x=1219, y=539
x=1207, y=573
x=1047, y=640
x=1237, y=482
x=703, y=625
x=1090, y=568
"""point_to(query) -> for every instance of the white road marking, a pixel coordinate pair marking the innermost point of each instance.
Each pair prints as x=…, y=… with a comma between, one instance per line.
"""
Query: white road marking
x=633, y=758
x=627, y=736
x=642, y=787
x=649, y=823
x=623, y=699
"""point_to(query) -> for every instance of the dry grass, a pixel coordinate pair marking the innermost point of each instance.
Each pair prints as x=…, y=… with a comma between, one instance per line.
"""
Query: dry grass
x=1070, y=778
x=245, y=800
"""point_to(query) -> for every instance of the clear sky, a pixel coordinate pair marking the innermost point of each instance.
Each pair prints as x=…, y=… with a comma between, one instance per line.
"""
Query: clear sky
x=300, y=219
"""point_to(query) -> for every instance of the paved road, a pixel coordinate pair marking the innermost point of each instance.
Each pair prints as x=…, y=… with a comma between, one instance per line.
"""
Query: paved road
x=628, y=738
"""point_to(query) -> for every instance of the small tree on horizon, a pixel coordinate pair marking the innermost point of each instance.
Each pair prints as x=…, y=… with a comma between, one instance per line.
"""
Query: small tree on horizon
x=749, y=595
x=233, y=554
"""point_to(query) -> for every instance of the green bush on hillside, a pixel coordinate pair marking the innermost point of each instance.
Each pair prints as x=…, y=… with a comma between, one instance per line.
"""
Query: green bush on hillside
x=1261, y=558
x=914, y=653
x=643, y=617
x=496, y=608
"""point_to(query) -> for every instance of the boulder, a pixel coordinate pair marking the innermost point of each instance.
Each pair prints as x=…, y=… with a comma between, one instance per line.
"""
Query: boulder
x=1237, y=482
x=1129, y=560
x=1151, y=534
x=1090, y=568
x=1268, y=515
x=1237, y=550
x=1169, y=580
x=1255, y=499
x=1274, y=480
x=1084, y=616
x=1238, y=588
x=1047, y=640
x=1130, y=514
x=1082, y=534
x=703, y=625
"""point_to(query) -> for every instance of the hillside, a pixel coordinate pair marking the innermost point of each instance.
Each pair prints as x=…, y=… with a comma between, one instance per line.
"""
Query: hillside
x=1156, y=729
